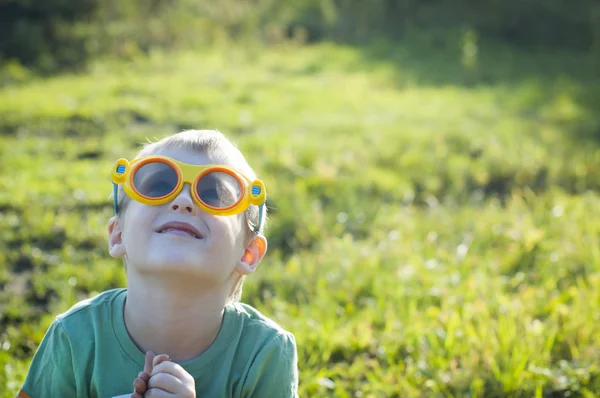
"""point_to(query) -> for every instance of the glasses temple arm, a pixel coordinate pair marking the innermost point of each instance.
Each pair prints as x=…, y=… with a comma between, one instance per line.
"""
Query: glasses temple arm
x=260, y=217
x=115, y=197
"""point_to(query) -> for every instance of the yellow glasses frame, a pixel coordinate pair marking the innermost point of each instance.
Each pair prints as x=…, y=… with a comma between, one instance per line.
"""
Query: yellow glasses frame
x=252, y=192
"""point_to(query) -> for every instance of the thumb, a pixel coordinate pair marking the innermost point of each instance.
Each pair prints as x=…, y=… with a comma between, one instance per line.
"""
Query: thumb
x=158, y=359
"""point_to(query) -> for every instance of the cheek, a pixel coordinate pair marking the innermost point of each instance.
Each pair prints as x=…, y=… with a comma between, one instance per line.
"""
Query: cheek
x=240, y=236
x=236, y=227
x=137, y=225
x=228, y=232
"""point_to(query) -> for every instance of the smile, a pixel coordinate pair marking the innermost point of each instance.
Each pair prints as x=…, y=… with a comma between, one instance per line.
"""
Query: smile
x=180, y=228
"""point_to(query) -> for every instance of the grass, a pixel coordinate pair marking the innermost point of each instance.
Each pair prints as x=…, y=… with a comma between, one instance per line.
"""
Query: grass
x=432, y=228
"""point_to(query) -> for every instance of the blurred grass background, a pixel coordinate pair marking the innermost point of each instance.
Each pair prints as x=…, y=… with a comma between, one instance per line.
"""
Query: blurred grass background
x=433, y=174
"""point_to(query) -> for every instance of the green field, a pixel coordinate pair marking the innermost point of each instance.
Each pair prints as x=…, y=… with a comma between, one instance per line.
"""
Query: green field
x=434, y=218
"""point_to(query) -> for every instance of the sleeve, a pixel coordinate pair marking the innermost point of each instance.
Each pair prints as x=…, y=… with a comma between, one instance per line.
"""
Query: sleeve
x=51, y=370
x=274, y=371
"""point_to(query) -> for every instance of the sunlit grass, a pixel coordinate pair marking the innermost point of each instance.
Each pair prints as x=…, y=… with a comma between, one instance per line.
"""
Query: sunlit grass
x=427, y=237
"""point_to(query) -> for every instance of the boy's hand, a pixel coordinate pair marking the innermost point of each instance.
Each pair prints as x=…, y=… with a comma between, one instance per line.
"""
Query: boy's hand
x=169, y=379
x=140, y=384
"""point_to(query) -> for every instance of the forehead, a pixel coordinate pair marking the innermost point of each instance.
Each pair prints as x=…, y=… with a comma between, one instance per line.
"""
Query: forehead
x=193, y=157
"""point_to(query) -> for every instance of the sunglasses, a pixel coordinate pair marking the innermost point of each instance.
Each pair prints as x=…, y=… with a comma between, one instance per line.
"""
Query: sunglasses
x=216, y=189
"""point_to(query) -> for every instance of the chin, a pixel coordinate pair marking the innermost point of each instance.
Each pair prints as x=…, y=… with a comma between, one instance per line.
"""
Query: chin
x=182, y=260
x=161, y=259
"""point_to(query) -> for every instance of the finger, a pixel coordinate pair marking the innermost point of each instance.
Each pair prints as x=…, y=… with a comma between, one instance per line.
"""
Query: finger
x=148, y=362
x=137, y=395
x=158, y=393
x=140, y=382
x=139, y=385
x=160, y=358
x=171, y=368
x=166, y=382
x=144, y=376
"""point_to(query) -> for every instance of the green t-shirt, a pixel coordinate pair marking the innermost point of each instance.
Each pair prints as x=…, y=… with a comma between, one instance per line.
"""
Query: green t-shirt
x=87, y=352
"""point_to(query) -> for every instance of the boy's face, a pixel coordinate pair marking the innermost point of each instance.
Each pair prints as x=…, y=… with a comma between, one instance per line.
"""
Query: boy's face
x=218, y=250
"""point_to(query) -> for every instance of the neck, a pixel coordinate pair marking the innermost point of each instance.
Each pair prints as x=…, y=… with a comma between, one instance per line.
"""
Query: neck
x=169, y=317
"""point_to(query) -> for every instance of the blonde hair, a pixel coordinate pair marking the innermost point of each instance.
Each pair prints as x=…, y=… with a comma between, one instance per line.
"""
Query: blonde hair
x=215, y=145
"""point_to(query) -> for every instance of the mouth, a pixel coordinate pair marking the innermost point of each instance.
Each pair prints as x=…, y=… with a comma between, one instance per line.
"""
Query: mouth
x=180, y=228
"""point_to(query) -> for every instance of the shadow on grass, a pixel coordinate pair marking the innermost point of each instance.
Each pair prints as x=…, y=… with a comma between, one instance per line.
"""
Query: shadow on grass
x=461, y=59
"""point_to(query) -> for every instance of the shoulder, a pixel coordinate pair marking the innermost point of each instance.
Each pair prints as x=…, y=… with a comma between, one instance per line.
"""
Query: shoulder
x=253, y=318
x=272, y=367
x=262, y=332
x=84, y=310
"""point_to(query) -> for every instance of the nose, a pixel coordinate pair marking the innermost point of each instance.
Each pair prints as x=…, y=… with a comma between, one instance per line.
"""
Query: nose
x=184, y=203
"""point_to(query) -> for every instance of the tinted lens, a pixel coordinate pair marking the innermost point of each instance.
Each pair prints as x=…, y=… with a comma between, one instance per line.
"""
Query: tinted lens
x=218, y=189
x=155, y=179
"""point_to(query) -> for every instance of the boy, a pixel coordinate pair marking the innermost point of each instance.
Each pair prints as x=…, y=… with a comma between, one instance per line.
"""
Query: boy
x=188, y=235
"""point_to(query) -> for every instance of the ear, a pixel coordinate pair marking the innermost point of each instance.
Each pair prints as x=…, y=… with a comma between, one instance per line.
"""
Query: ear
x=253, y=254
x=116, y=248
